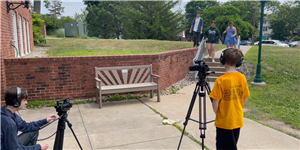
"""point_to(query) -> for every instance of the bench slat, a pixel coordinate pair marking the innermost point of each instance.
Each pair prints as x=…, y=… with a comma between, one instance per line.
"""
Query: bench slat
x=132, y=76
x=104, y=79
x=110, y=78
x=139, y=75
x=125, y=75
x=117, y=76
x=145, y=75
x=128, y=88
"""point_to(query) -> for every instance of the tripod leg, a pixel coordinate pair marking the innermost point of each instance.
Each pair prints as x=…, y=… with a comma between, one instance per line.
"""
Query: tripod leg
x=202, y=114
x=188, y=115
x=59, y=138
x=70, y=126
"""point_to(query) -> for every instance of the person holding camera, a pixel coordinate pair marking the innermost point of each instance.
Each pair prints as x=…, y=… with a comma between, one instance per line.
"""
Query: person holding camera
x=197, y=27
x=212, y=35
x=229, y=95
x=11, y=123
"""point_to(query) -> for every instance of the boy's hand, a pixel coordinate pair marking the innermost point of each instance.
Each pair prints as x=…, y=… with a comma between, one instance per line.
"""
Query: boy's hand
x=51, y=118
x=44, y=146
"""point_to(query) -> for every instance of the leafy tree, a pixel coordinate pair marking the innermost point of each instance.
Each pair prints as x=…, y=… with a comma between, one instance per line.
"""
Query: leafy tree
x=38, y=38
x=91, y=3
x=247, y=10
x=284, y=20
x=54, y=7
x=65, y=19
x=223, y=15
x=52, y=23
x=80, y=17
x=151, y=20
x=192, y=7
x=103, y=19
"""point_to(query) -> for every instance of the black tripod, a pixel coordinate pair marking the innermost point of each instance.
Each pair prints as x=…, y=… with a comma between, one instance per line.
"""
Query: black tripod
x=62, y=108
x=199, y=89
x=59, y=138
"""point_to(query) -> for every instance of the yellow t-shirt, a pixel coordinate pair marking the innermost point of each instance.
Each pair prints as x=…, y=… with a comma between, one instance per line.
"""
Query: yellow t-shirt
x=230, y=89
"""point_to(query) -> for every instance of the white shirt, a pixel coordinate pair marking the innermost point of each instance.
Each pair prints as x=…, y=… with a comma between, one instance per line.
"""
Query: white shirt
x=196, y=24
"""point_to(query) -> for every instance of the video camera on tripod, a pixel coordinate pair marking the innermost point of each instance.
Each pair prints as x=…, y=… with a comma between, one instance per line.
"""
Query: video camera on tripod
x=202, y=87
x=201, y=68
x=62, y=107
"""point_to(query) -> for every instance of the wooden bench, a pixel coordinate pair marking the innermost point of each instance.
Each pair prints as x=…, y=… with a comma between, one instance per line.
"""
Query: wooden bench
x=125, y=79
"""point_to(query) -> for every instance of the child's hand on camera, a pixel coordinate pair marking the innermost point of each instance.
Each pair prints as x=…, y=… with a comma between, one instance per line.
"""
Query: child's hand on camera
x=51, y=118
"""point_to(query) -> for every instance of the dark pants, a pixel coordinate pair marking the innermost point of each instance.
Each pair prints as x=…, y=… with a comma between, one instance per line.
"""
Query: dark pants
x=29, y=138
x=227, y=139
x=196, y=36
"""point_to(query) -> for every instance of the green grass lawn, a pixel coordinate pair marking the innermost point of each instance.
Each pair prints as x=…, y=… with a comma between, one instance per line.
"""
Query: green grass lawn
x=279, y=99
x=86, y=47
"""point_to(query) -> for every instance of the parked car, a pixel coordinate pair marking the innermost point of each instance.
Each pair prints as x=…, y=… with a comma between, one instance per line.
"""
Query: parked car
x=294, y=44
x=272, y=43
x=246, y=43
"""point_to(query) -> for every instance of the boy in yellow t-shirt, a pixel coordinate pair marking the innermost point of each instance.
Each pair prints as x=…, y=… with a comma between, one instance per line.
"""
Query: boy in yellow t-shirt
x=229, y=94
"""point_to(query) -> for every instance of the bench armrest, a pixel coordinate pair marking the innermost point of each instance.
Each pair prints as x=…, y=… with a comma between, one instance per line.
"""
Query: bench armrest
x=157, y=76
x=98, y=80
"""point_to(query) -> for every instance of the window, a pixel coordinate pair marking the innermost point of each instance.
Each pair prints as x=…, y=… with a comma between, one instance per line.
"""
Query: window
x=265, y=28
x=265, y=22
x=21, y=36
x=15, y=31
x=25, y=35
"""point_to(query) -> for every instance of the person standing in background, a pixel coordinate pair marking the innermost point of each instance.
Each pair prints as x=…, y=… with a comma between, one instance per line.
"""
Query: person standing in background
x=230, y=39
x=197, y=27
x=212, y=35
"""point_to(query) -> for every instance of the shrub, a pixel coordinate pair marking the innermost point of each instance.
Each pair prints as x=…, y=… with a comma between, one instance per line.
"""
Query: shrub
x=60, y=33
x=38, y=38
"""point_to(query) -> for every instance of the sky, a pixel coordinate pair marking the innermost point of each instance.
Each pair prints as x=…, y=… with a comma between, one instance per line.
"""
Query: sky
x=73, y=6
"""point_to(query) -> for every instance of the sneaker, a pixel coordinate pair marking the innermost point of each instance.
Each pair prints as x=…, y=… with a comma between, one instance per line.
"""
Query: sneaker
x=213, y=60
x=209, y=56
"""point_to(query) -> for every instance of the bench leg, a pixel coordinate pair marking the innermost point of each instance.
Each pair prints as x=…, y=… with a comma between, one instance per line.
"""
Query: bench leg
x=100, y=99
x=97, y=96
x=158, y=95
x=151, y=94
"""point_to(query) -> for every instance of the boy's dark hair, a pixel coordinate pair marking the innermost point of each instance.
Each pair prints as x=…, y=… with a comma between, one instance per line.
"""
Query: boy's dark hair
x=11, y=94
x=231, y=23
x=213, y=22
x=233, y=56
x=198, y=12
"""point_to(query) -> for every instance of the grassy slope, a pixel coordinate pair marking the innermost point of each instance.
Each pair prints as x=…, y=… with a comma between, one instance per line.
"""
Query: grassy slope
x=279, y=99
x=84, y=47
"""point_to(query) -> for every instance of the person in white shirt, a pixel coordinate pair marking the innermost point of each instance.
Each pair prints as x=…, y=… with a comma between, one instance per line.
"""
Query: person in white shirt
x=197, y=27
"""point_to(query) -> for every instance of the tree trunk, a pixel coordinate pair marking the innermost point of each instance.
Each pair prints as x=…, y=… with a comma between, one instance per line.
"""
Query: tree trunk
x=37, y=6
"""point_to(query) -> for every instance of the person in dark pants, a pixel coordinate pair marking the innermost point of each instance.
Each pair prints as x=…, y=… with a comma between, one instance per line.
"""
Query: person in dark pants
x=197, y=27
x=230, y=93
x=11, y=123
x=212, y=35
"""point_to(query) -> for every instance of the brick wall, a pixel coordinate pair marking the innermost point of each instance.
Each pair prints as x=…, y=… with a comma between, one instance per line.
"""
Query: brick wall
x=58, y=77
x=6, y=35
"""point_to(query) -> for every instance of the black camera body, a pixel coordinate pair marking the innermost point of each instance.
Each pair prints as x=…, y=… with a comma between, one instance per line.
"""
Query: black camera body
x=202, y=69
x=63, y=105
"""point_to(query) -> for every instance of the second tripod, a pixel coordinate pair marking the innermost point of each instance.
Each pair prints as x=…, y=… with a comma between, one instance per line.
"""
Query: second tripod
x=201, y=89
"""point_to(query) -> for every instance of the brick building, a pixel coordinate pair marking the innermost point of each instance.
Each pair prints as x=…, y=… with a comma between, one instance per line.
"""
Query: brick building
x=15, y=29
